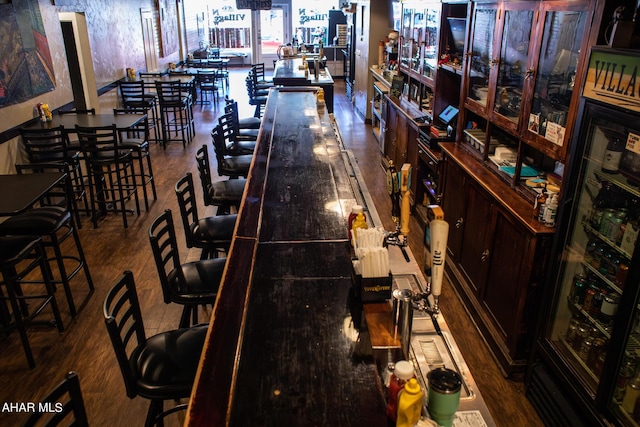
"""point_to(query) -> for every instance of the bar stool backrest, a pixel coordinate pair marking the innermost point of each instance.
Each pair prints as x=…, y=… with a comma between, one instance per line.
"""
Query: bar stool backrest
x=73, y=411
x=46, y=145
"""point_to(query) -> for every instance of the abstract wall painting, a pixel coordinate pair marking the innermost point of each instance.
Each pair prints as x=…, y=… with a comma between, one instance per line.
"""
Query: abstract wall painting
x=26, y=67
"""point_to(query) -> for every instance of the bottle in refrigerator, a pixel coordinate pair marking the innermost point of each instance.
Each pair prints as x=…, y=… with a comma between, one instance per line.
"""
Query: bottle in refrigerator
x=612, y=156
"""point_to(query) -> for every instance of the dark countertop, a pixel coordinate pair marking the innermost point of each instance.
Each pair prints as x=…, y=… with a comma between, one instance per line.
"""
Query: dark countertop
x=278, y=352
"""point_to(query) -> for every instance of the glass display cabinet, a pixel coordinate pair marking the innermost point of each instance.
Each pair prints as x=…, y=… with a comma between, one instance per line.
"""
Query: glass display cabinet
x=513, y=65
x=405, y=46
x=480, y=57
x=555, y=78
x=418, y=38
x=430, y=44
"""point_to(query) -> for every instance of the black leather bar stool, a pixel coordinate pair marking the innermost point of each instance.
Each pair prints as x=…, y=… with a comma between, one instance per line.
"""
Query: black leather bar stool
x=54, y=224
x=237, y=143
x=175, y=112
x=243, y=122
x=262, y=82
x=15, y=251
x=257, y=98
x=224, y=194
x=161, y=367
x=135, y=96
x=52, y=146
x=111, y=172
x=190, y=284
x=212, y=234
x=137, y=140
x=71, y=410
x=228, y=165
x=206, y=82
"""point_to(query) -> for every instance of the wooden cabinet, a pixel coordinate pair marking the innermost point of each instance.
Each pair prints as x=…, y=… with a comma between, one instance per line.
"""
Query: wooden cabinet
x=524, y=61
x=424, y=38
x=497, y=254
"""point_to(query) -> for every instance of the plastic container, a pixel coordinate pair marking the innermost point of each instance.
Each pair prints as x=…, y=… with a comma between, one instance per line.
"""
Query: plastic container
x=409, y=404
x=402, y=373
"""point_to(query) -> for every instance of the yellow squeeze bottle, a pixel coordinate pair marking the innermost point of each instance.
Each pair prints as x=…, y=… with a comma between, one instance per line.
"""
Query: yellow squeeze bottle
x=359, y=222
x=409, y=404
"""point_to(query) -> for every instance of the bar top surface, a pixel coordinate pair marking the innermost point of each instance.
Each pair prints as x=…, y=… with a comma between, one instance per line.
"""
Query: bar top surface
x=281, y=347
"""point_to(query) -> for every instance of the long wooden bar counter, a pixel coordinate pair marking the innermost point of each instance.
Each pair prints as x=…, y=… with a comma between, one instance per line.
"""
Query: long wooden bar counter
x=289, y=72
x=278, y=351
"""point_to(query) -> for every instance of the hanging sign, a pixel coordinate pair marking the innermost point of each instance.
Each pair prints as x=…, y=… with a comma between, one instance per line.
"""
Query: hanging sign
x=614, y=77
x=253, y=4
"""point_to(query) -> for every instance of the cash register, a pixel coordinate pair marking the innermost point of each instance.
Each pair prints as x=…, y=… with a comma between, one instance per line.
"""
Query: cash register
x=441, y=129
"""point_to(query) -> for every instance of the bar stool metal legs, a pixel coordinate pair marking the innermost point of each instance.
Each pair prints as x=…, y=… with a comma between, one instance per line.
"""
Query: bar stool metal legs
x=14, y=251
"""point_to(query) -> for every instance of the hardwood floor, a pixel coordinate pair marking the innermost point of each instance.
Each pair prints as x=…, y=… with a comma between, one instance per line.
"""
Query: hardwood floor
x=110, y=249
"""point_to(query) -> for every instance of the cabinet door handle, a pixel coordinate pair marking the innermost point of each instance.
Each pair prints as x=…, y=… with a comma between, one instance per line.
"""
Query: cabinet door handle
x=485, y=255
x=459, y=222
x=529, y=73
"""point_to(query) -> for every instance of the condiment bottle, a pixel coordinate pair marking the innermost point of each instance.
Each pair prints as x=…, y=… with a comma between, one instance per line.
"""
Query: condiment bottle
x=359, y=222
x=550, y=211
x=355, y=210
x=402, y=373
x=409, y=404
x=541, y=201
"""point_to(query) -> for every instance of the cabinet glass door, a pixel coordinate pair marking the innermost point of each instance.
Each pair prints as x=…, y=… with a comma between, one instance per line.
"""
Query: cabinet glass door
x=418, y=38
x=481, y=58
x=513, y=63
x=405, y=48
x=430, y=50
x=597, y=252
x=555, y=76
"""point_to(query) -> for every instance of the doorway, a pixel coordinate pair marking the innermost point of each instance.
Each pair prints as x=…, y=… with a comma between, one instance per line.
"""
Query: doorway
x=272, y=30
x=78, y=51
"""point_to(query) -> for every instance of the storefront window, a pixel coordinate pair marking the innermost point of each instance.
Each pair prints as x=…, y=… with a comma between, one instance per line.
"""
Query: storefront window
x=310, y=19
x=230, y=28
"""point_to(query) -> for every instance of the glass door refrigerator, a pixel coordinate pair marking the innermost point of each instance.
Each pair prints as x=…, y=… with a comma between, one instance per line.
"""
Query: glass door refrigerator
x=585, y=369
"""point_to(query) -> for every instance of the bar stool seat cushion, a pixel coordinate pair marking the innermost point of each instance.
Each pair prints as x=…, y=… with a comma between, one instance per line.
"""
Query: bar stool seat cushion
x=227, y=190
x=249, y=123
x=239, y=164
x=134, y=143
x=37, y=221
x=241, y=147
x=167, y=362
x=195, y=280
x=248, y=134
x=14, y=248
x=214, y=228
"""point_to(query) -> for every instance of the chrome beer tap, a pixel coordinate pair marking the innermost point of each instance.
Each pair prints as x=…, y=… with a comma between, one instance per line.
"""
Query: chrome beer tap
x=397, y=237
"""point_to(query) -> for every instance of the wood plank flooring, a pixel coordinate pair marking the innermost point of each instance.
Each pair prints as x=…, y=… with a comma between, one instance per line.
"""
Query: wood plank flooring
x=111, y=249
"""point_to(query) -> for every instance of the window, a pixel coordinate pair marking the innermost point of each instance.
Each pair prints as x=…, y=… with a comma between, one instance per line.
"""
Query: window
x=229, y=27
x=310, y=20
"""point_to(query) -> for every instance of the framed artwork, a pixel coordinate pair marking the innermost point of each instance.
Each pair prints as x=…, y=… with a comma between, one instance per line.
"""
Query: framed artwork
x=26, y=67
x=168, y=11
